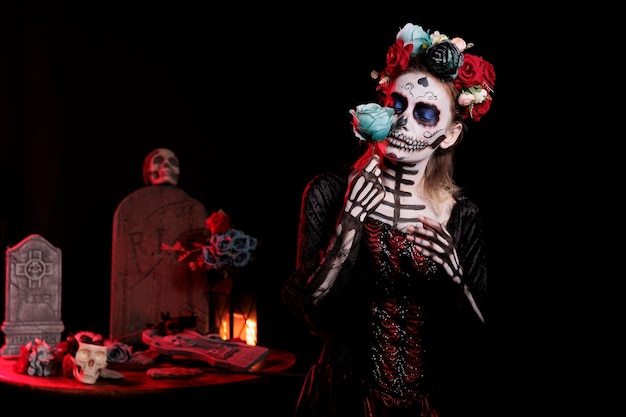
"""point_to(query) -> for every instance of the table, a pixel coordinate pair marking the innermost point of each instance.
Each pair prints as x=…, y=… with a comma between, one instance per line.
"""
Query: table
x=196, y=393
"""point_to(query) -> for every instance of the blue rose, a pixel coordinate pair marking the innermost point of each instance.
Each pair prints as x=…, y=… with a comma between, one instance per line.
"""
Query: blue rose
x=229, y=249
x=415, y=35
x=243, y=242
x=241, y=259
x=371, y=122
x=119, y=352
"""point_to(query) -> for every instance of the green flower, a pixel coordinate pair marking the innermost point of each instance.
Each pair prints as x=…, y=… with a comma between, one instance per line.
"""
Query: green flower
x=371, y=122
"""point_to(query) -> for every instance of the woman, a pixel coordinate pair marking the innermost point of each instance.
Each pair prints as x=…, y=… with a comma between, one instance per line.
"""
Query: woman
x=391, y=267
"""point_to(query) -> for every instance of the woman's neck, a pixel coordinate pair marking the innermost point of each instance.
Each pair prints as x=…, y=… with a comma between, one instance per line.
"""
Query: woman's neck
x=405, y=198
x=402, y=203
x=403, y=179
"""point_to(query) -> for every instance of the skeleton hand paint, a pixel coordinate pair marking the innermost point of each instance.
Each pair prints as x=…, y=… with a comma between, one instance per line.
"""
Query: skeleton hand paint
x=363, y=196
x=433, y=240
x=366, y=191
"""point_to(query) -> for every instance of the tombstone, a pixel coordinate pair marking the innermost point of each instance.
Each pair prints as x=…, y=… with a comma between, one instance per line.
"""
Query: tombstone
x=146, y=281
x=33, y=294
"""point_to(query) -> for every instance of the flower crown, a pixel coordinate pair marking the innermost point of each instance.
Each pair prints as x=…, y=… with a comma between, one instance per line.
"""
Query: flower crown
x=472, y=75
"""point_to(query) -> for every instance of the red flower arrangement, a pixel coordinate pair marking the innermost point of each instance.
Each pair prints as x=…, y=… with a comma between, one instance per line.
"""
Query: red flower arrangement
x=473, y=76
x=38, y=358
x=218, y=247
x=475, y=80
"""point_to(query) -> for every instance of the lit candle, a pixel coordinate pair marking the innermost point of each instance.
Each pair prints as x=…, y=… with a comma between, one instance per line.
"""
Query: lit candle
x=244, y=329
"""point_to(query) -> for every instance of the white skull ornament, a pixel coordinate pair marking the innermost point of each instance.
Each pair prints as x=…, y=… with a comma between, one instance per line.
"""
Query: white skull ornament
x=89, y=361
x=161, y=166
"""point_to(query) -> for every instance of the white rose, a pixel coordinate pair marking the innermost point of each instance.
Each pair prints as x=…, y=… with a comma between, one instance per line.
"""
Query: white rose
x=480, y=95
x=465, y=99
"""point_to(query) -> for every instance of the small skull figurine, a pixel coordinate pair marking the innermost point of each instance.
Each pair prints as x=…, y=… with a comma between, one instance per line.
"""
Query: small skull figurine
x=90, y=358
x=161, y=167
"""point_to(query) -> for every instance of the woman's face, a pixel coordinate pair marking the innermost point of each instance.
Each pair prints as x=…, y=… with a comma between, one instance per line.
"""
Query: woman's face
x=422, y=117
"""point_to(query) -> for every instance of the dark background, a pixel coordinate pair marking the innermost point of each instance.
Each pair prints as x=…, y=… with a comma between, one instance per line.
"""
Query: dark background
x=254, y=101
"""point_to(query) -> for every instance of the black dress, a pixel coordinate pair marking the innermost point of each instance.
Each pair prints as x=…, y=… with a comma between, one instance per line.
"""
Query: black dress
x=401, y=338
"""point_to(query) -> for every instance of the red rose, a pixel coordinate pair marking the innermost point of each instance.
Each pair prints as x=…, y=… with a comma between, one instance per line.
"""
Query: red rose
x=398, y=57
x=218, y=223
x=384, y=90
x=21, y=366
x=477, y=110
x=475, y=71
x=67, y=366
x=489, y=75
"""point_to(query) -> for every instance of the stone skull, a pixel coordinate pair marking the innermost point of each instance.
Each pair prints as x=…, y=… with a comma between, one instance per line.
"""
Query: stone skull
x=161, y=166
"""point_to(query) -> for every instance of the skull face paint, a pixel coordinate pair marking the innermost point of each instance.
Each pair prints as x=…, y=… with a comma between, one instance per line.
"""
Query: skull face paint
x=89, y=361
x=422, y=114
x=161, y=166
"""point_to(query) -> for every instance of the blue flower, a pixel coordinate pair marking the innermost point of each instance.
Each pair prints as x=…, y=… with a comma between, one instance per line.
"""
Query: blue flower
x=232, y=248
x=371, y=122
x=416, y=36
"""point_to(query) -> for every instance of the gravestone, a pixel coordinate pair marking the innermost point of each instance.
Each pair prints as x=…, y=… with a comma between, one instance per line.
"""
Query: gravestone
x=146, y=281
x=33, y=294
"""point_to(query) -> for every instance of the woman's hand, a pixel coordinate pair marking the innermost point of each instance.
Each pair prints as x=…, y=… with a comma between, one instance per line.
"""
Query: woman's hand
x=366, y=191
x=433, y=240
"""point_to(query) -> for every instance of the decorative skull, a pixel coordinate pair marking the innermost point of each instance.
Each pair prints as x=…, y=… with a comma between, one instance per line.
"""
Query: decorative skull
x=90, y=358
x=161, y=167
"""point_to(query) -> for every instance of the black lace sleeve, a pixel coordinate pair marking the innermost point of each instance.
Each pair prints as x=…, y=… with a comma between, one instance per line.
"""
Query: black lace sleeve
x=305, y=289
x=466, y=226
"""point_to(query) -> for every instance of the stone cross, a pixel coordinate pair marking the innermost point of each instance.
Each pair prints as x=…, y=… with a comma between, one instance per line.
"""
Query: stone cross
x=146, y=281
x=33, y=294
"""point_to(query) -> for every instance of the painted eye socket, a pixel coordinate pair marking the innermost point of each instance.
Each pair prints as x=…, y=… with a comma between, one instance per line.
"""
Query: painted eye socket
x=399, y=103
x=426, y=114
